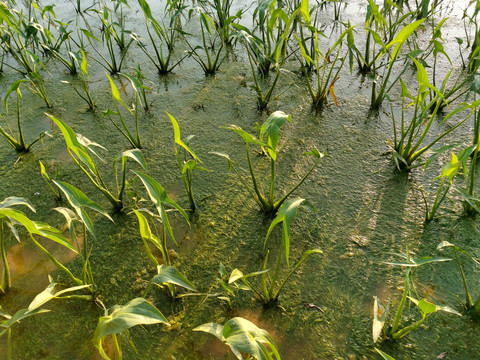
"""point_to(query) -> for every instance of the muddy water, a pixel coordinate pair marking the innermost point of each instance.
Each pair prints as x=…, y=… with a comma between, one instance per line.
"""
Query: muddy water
x=366, y=210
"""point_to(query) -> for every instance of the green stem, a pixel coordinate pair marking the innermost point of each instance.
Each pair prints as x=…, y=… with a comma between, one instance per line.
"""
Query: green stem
x=468, y=298
x=117, y=348
x=6, y=281
x=20, y=132
x=406, y=330
x=402, y=304
x=265, y=206
x=272, y=182
x=275, y=275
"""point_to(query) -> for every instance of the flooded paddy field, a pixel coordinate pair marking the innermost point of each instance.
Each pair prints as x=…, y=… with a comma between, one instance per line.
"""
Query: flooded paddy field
x=366, y=201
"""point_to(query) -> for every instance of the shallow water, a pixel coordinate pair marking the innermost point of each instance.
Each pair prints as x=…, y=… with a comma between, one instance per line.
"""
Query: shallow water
x=366, y=210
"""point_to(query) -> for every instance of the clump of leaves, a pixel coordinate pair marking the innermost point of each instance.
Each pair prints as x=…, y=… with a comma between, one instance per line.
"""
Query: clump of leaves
x=426, y=308
x=243, y=337
x=268, y=141
x=271, y=285
x=119, y=319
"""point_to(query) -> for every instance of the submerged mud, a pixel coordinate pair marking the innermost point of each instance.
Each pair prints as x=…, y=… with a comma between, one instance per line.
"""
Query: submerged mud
x=365, y=210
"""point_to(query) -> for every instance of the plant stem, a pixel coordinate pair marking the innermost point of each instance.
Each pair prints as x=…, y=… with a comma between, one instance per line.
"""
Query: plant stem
x=6, y=281
x=468, y=298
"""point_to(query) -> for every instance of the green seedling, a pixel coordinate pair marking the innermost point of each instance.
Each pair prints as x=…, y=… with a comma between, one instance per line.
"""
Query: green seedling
x=167, y=276
x=165, y=35
x=469, y=304
x=139, y=87
x=15, y=39
x=326, y=68
x=134, y=140
x=449, y=171
x=161, y=201
x=189, y=163
x=19, y=145
x=109, y=36
x=220, y=11
x=271, y=286
x=79, y=148
x=119, y=319
x=376, y=26
x=268, y=140
x=118, y=27
x=37, y=86
x=243, y=337
x=34, y=308
x=48, y=34
x=230, y=290
x=79, y=202
x=381, y=82
x=409, y=138
x=84, y=83
x=10, y=217
x=267, y=52
x=208, y=54
x=380, y=311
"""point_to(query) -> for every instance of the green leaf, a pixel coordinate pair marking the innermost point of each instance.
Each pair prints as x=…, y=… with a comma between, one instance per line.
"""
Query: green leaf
x=249, y=139
x=14, y=87
x=159, y=197
x=304, y=9
x=401, y=37
x=286, y=214
x=170, y=275
x=211, y=328
x=244, y=336
x=135, y=154
x=14, y=201
x=137, y=312
x=75, y=145
x=271, y=129
x=49, y=294
x=450, y=169
x=427, y=307
x=235, y=275
x=384, y=355
x=78, y=200
x=178, y=140
x=84, y=64
x=116, y=94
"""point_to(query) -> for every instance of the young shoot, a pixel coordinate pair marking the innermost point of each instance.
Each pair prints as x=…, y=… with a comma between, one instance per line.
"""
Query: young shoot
x=18, y=144
x=410, y=137
x=426, y=308
x=268, y=141
x=186, y=163
x=79, y=148
x=134, y=140
x=165, y=34
x=86, y=95
x=469, y=304
x=208, y=54
x=80, y=202
x=271, y=285
x=34, y=308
